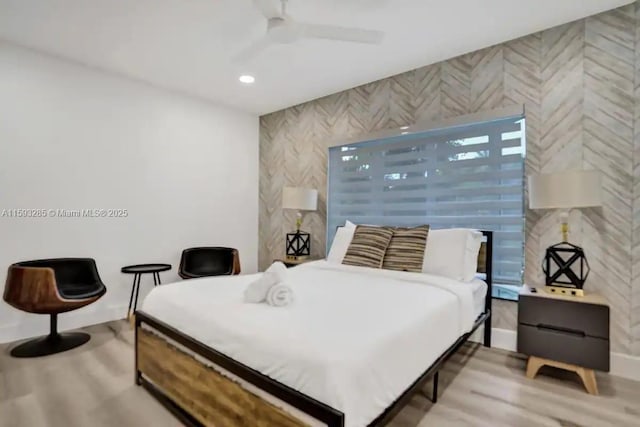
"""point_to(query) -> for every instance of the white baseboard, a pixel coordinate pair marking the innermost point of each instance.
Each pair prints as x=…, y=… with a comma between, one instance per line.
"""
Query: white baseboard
x=622, y=365
x=500, y=338
x=33, y=325
x=625, y=365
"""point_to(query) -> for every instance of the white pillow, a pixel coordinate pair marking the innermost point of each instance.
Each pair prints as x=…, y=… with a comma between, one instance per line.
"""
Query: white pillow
x=341, y=243
x=452, y=253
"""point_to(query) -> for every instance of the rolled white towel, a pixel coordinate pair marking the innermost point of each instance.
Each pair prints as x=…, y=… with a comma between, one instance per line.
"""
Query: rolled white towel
x=256, y=291
x=280, y=295
x=279, y=269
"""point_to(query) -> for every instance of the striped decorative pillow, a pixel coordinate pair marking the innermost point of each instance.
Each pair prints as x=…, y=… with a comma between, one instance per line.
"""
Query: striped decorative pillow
x=406, y=249
x=368, y=246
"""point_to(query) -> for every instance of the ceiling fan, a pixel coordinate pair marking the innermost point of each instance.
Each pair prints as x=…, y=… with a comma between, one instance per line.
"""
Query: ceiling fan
x=282, y=29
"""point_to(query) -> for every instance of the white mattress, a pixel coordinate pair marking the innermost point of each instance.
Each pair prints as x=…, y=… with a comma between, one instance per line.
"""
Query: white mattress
x=355, y=338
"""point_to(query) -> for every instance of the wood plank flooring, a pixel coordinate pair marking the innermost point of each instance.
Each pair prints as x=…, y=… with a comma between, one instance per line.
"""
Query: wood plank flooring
x=93, y=386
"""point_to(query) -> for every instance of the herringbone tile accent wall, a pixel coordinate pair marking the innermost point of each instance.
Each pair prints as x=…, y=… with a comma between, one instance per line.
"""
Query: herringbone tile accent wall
x=580, y=85
x=635, y=272
x=608, y=123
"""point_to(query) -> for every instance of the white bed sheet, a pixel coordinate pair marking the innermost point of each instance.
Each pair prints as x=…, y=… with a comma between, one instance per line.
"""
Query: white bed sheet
x=355, y=338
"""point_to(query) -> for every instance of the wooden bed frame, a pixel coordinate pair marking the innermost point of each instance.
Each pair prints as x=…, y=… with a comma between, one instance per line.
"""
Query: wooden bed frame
x=176, y=370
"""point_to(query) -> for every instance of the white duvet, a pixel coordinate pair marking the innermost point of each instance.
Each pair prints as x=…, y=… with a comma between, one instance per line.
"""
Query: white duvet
x=355, y=338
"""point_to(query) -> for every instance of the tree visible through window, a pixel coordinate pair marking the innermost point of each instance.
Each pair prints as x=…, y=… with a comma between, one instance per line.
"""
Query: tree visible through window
x=466, y=176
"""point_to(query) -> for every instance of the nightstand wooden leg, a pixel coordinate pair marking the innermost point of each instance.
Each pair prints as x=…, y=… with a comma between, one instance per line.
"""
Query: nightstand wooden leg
x=533, y=366
x=588, y=377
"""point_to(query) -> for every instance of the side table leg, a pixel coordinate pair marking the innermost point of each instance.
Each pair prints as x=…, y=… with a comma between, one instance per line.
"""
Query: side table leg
x=588, y=377
x=133, y=289
x=155, y=281
x=533, y=366
x=135, y=302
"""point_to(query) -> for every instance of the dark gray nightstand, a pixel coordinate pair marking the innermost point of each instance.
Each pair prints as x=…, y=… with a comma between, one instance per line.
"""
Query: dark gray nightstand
x=566, y=332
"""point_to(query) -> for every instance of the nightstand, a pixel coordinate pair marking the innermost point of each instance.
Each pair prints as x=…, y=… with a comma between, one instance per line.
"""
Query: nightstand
x=292, y=263
x=566, y=332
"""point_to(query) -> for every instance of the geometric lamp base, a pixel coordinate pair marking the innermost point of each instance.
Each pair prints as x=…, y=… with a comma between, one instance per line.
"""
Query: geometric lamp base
x=565, y=265
x=298, y=245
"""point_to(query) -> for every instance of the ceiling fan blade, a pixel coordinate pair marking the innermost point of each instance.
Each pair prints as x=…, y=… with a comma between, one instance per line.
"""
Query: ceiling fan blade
x=331, y=32
x=251, y=51
x=268, y=8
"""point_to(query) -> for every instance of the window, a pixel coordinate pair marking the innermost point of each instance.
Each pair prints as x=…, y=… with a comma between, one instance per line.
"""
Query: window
x=465, y=176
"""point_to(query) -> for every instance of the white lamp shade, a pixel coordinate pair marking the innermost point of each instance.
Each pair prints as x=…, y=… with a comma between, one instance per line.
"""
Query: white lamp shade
x=565, y=190
x=302, y=199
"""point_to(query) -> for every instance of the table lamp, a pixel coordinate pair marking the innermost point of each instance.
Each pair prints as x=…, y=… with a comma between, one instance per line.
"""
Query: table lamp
x=565, y=265
x=298, y=244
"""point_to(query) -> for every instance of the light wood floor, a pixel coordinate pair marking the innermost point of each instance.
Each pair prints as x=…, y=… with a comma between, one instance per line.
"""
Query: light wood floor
x=93, y=386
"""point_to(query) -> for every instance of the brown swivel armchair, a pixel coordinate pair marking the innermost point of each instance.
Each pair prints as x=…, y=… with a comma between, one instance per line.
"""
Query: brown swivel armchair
x=52, y=286
x=209, y=261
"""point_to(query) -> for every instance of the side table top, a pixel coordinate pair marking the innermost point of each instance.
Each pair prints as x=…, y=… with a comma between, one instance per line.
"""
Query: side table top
x=589, y=298
x=145, y=268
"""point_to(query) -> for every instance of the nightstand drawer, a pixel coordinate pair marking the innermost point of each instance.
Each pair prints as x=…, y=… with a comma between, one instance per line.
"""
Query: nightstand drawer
x=564, y=346
x=590, y=319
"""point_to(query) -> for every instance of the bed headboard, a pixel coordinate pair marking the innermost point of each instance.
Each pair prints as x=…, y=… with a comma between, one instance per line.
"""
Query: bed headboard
x=485, y=254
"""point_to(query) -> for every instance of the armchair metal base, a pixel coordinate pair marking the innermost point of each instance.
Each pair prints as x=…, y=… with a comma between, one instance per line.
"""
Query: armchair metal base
x=53, y=343
x=45, y=346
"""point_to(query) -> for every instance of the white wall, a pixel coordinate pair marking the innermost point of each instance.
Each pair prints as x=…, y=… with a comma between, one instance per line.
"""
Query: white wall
x=72, y=137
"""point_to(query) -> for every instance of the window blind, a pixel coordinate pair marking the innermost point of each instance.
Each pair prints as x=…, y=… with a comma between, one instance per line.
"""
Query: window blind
x=469, y=176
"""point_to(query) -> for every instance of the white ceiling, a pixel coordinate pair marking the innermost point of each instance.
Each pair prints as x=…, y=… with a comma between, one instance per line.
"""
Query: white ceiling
x=186, y=45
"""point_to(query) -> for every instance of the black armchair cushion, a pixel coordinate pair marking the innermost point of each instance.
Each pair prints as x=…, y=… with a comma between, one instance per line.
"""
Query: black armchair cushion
x=76, y=278
x=207, y=261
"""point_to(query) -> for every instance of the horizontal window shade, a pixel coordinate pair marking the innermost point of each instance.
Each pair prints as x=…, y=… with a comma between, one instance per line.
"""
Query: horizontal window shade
x=468, y=176
x=420, y=175
x=436, y=222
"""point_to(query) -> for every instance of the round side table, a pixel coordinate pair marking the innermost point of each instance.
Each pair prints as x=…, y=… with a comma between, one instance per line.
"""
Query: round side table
x=137, y=271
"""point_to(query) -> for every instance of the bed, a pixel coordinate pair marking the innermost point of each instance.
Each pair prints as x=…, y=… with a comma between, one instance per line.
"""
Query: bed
x=351, y=351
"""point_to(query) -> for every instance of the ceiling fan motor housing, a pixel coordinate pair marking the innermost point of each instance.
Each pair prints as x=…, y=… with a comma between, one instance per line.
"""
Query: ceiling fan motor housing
x=282, y=30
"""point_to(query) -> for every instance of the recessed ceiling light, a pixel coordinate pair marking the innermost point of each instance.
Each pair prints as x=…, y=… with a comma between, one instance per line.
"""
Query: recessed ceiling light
x=404, y=127
x=403, y=133
x=246, y=78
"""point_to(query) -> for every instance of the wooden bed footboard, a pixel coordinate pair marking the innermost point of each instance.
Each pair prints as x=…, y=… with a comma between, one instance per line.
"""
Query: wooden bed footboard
x=206, y=394
x=200, y=395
